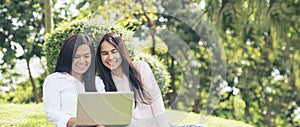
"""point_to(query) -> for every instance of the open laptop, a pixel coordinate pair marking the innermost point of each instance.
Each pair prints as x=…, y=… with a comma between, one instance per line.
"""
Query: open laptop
x=109, y=108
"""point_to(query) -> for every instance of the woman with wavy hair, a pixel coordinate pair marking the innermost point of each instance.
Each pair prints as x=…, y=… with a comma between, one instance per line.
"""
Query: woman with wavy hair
x=119, y=73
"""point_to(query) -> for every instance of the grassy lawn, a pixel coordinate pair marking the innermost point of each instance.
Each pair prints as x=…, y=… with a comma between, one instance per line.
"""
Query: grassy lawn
x=32, y=115
x=180, y=118
x=23, y=115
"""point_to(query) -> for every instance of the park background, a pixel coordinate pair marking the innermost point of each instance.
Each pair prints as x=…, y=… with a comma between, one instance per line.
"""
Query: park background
x=251, y=45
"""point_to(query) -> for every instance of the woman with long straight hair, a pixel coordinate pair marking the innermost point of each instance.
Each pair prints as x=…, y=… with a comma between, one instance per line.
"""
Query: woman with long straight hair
x=119, y=73
x=74, y=73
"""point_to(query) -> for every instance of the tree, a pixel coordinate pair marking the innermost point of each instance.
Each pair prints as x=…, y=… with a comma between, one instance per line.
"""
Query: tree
x=130, y=13
x=140, y=15
x=48, y=16
x=21, y=35
x=260, y=38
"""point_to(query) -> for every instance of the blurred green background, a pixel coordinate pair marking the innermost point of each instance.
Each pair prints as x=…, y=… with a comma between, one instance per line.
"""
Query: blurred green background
x=243, y=56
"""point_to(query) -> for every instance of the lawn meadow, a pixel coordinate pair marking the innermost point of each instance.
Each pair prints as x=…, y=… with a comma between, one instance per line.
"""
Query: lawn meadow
x=236, y=59
x=32, y=115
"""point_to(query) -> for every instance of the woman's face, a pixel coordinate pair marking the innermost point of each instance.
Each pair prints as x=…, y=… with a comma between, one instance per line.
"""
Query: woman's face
x=81, y=60
x=110, y=56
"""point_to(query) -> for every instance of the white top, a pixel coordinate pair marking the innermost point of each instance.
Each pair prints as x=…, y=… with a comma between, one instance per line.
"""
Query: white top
x=142, y=113
x=60, y=92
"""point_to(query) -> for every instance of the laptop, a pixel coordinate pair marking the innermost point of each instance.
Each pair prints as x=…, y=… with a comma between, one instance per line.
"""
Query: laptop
x=109, y=108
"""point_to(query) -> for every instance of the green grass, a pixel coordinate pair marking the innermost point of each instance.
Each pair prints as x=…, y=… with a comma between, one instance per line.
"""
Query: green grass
x=179, y=117
x=33, y=115
x=23, y=115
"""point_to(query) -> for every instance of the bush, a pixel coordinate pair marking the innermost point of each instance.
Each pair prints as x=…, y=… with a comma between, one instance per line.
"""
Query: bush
x=93, y=28
x=96, y=29
x=23, y=92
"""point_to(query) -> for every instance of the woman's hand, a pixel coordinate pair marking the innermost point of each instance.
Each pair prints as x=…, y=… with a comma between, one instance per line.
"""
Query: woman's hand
x=71, y=122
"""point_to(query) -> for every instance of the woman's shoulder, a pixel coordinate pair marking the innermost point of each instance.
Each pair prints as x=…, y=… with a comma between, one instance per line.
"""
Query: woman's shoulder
x=98, y=79
x=57, y=75
x=140, y=63
x=52, y=76
x=142, y=67
x=52, y=79
x=58, y=81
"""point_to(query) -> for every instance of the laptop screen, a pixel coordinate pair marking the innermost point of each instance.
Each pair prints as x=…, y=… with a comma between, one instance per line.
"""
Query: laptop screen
x=109, y=108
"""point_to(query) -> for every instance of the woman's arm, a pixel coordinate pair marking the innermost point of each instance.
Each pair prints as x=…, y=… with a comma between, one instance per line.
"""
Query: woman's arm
x=151, y=86
x=157, y=105
x=71, y=122
x=99, y=84
x=52, y=103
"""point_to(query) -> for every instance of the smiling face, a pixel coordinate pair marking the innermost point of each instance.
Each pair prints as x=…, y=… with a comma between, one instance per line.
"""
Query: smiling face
x=81, y=60
x=110, y=56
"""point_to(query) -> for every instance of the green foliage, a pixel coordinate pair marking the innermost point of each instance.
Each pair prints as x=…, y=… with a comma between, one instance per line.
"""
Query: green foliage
x=21, y=34
x=263, y=59
x=21, y=37
x=23, y=92
x=260, y=39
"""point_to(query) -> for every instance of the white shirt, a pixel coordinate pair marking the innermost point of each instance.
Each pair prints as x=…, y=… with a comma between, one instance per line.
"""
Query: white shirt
x=60, y=92
x=142, y=114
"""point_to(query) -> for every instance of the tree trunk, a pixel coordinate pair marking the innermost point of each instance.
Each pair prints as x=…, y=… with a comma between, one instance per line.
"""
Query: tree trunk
x=247, y=111
x=196, y=105
x=48, y=16
x=151, y=26
x=34, y=90
x=152, y=32
x=172, y=96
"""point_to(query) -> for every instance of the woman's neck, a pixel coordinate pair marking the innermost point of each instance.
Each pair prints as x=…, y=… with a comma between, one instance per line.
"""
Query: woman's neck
x=77, y=76
x=118, y=72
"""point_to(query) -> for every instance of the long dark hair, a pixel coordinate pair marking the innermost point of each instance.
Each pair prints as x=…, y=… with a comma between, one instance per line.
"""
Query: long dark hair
x=128, y=68
x=65, y=59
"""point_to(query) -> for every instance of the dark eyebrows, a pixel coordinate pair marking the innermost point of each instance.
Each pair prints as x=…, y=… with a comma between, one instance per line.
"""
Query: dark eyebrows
x=103, y=51
x=110, y=50
x=83, y=54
